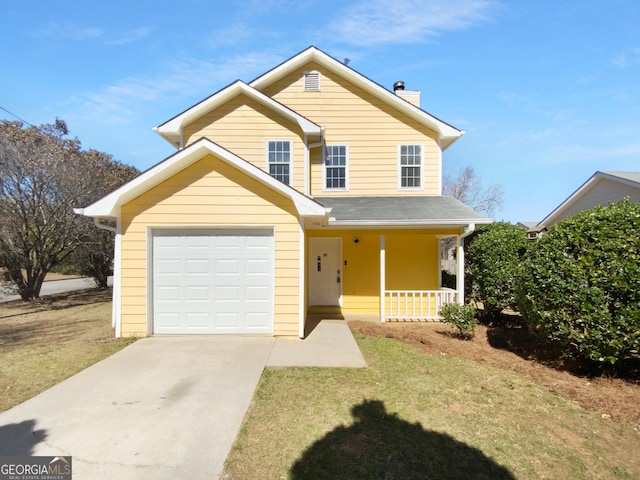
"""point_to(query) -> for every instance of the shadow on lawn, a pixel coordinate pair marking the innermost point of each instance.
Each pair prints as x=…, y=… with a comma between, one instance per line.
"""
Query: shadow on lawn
x=18, y=439
x=380, y=445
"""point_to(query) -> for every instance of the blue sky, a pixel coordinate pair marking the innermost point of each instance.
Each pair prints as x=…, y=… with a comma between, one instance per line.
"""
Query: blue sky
x=548, y=92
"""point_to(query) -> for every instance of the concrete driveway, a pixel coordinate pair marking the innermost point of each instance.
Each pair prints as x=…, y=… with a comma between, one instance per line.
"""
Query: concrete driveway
x=166, y=407
x=162, y=408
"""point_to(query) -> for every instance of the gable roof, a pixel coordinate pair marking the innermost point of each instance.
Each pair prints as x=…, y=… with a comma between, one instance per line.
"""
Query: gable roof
x=624, y=178
x=171, y=130
x=108, y=207
x=401, y=211
x=446, y=133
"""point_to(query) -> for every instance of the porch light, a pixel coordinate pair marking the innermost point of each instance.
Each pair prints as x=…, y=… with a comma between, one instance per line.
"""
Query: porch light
x=356, y=239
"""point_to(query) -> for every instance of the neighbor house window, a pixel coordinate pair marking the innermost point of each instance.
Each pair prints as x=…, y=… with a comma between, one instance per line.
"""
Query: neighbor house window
x=335, y=167
x=279, y=159
x=410, y=166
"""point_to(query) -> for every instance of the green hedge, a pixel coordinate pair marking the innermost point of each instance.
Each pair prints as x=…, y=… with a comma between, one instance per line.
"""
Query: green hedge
x=579, y=288
x=493, y=258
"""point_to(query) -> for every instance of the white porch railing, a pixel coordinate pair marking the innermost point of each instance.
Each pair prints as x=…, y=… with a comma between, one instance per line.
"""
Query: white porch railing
x=416, y=304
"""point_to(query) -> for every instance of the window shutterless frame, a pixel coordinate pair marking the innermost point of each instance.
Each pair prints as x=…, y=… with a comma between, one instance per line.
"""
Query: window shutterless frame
x=279, y=161
x=410, y=166
x=335, y=167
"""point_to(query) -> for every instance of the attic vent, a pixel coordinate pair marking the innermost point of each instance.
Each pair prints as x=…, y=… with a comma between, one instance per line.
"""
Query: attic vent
x=312, y=81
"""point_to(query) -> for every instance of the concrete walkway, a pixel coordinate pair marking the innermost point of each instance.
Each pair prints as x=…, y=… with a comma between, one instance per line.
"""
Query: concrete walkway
x=164, y=407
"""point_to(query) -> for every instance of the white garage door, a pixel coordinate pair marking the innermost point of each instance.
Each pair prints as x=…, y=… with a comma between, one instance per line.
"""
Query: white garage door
x=208, y=282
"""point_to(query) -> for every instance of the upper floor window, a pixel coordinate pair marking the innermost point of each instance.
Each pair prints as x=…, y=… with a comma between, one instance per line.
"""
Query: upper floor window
x=279, y=159
x=335, y=167
x=312, y=81
x=410, y=166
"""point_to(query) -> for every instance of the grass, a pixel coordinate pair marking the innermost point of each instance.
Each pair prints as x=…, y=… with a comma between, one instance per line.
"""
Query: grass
x=45, y=342
x=413, y=415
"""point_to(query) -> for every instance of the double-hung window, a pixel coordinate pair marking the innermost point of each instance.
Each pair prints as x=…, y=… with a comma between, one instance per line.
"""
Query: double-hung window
x=410, y=165
x=335, y=167
x=279, y=159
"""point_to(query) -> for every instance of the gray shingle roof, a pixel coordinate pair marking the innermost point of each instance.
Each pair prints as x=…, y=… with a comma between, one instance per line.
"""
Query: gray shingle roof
x=401, y=210
x=631, y=176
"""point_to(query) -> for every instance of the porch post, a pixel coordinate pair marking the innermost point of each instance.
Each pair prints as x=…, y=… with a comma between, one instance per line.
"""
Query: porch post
x=460, y=272
x=382, y=278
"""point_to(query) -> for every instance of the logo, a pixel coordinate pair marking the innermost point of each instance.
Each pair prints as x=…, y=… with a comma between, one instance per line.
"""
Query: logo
x=35, y=468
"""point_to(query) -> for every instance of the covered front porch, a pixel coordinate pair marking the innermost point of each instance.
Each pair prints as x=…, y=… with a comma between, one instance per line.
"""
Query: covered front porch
x=386, y=255
x=395, y=275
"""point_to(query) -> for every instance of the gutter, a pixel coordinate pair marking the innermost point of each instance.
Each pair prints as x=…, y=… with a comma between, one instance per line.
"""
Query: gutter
x=96, y=221
x=468, y=230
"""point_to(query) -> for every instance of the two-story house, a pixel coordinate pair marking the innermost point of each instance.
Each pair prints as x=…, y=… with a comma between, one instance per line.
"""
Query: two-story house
x=310, y=187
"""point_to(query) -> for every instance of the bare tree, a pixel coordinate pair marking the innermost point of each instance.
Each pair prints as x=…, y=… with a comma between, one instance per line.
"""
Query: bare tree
x=94, y=253
x=467, y=187
x=43, y=176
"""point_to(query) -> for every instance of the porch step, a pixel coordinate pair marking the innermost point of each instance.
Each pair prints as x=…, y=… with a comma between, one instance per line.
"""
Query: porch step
x=313, y=309
x=329, y=312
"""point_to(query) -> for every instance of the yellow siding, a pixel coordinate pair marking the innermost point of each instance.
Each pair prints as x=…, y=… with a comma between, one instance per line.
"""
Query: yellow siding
x=411, y=264
x=370, y=127
x=243, y=126
x=209, y=193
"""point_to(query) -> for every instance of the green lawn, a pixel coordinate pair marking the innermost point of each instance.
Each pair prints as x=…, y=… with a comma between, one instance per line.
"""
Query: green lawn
x=412, y=415
x=43, y=342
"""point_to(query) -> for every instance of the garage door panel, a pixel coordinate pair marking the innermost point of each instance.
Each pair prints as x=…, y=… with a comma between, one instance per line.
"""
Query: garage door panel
x=213, y=282
x=197, y=320
x=195, y=294
x=197, y=267
x=168, y=320
x=227, y=267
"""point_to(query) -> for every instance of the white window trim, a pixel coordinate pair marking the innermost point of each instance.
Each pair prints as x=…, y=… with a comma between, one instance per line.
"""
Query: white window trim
x=266, y=156
x=346, y=168
x=422, y=179
x=304, y=80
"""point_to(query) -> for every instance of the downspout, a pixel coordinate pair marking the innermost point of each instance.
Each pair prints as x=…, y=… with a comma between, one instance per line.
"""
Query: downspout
x=103, y=226
x=307, y=163
x=468, y=230
x=115, y=309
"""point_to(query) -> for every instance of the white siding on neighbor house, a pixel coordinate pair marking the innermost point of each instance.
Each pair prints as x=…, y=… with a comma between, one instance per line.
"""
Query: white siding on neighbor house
x=602, y=192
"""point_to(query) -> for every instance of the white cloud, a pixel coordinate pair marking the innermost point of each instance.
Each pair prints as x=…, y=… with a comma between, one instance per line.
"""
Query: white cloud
x=581, y=154
x=130, y=36
x=69, y=31
x=121, y=101
x=627, y=59
x=376, y=22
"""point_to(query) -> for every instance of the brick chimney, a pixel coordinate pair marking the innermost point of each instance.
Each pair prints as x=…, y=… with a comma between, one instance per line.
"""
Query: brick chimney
x=411, y=96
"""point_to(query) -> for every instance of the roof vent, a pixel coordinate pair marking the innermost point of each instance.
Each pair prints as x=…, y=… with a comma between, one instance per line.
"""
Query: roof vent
x=399, y=85
x=312, y=81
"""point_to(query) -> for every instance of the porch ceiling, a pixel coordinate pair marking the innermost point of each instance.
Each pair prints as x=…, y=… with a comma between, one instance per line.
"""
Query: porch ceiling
x=402, y=211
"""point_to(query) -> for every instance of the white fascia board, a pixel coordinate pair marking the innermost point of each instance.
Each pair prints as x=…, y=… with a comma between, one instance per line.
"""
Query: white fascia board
x=447, y=133
x=171, y=130
x=109, y=206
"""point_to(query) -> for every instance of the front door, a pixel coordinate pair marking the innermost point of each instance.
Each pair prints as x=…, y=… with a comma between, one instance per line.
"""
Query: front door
x=325, y=272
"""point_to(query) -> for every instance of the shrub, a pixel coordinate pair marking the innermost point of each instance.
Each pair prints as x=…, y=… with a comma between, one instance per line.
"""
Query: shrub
x=580, y=287
x=493, y=257
x=462, y=317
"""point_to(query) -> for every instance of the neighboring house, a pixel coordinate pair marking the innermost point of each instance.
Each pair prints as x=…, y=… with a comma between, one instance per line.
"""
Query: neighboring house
x=601, y=188
x=311, y=188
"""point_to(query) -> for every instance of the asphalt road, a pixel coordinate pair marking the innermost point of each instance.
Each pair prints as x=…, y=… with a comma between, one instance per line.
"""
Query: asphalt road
x=56, y=286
